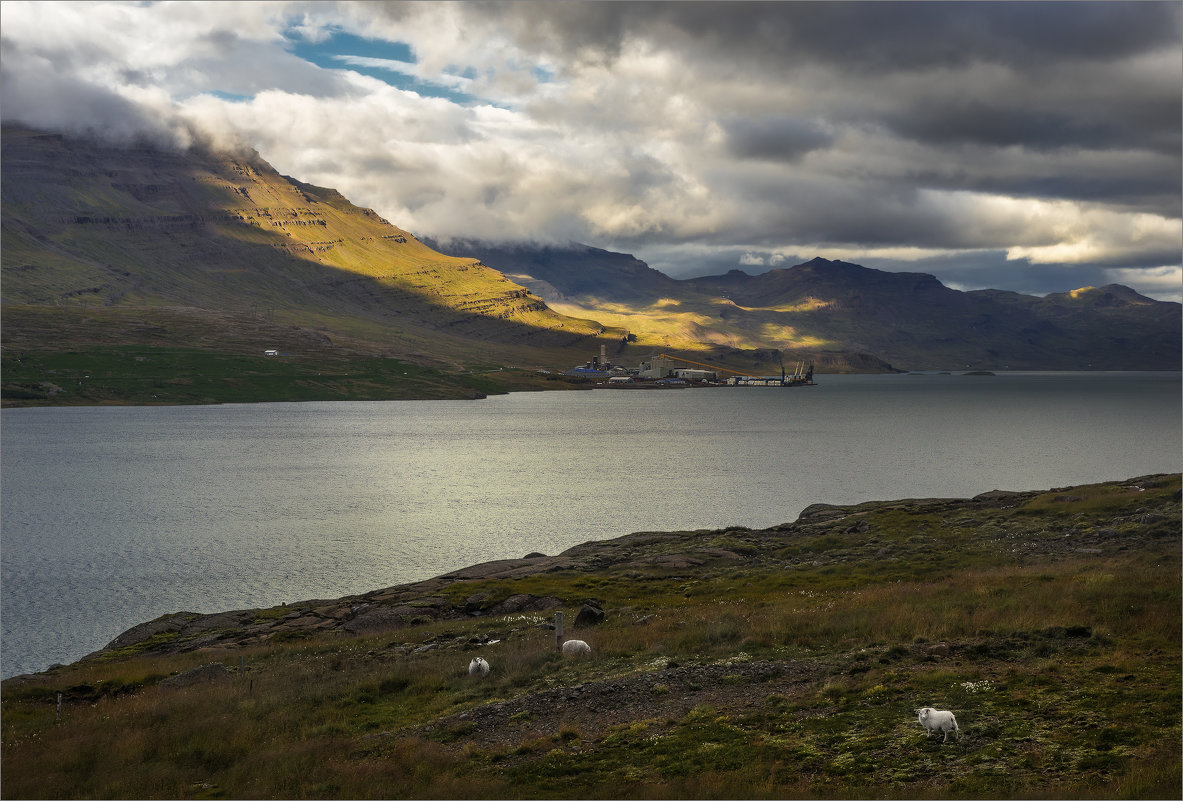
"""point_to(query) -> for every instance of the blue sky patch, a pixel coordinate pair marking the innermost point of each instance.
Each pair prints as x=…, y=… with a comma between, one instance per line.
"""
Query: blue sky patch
x=393, y=63
x=229, y=96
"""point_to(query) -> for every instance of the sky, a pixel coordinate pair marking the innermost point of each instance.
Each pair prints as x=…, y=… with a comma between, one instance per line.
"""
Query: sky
x=1027, y=146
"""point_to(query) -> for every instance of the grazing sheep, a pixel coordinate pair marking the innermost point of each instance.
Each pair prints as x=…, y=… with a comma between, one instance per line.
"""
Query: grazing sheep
x=478, y=667
x=934, y=720
x=576, y=648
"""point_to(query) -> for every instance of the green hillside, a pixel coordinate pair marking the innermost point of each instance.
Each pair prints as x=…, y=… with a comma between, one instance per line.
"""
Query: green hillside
x=734, y=663
x=178, y=248
x=194, y=252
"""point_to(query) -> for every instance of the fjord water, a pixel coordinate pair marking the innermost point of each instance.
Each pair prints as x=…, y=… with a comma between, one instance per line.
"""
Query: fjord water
x=113, y=516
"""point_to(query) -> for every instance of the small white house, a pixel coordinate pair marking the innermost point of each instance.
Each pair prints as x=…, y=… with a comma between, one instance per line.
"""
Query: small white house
x=271, y=352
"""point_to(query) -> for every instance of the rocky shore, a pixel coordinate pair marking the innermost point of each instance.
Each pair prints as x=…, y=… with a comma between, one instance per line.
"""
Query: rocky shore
x=675, y=556
x=739, y=663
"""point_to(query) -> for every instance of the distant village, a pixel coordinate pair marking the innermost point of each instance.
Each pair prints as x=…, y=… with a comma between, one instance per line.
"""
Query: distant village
x=663, y=371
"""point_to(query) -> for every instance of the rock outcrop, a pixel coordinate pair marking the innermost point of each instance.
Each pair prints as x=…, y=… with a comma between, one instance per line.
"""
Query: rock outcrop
x=822, y=535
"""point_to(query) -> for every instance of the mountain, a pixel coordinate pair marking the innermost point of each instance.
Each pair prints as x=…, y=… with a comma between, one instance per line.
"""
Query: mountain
x=907, y=319
x=225, y=247
x=574, y=272
x=913, y=319
x=137, y=246
x=108, y=247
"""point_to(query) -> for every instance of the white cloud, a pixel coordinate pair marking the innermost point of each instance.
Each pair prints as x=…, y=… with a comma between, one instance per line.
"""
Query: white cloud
x=675, y=129
x=1163, y=283
x=454, y=82
x=1077, y=235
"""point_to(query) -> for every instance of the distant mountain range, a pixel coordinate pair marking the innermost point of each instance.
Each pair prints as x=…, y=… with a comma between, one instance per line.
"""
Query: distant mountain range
x=150, y=247
x=908, y=319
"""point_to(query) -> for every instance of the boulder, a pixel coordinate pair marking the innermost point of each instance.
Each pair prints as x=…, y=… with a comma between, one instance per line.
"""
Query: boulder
x=589, y=616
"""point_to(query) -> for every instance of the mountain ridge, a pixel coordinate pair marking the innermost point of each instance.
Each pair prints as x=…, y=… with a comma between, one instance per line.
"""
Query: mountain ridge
x=222, y=250
x=909, y=319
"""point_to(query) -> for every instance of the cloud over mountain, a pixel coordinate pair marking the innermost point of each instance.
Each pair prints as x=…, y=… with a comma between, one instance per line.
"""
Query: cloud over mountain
x=1033, y=141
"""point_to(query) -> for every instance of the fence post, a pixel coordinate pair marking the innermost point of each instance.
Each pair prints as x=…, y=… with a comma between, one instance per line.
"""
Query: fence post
x=558, y=629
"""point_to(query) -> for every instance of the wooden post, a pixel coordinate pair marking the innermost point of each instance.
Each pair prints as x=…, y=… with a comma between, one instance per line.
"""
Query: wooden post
x=558, y=629
x=58, y=719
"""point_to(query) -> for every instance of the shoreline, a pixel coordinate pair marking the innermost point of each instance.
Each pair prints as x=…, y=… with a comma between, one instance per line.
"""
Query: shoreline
x=536, y=383
x=442, y=597
x=750, y=663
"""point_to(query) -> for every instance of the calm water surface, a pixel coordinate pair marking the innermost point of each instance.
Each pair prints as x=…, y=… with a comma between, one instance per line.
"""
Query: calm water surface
x=114, y=516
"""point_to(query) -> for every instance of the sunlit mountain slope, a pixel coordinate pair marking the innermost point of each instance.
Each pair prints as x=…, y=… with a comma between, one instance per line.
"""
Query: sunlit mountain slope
x=908, y=319
x=87, y=226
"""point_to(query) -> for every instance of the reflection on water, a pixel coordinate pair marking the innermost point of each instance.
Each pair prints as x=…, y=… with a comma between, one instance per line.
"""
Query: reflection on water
x=114, y=516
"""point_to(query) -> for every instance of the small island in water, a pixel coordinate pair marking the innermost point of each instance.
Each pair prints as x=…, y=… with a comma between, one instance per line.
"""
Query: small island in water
x=783, y=662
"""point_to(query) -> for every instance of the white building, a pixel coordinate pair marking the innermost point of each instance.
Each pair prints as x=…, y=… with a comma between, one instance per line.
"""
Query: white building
x=696, y=375
x=656, y=367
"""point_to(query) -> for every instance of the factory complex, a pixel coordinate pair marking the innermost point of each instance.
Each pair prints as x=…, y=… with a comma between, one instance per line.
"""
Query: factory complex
x=664, y=371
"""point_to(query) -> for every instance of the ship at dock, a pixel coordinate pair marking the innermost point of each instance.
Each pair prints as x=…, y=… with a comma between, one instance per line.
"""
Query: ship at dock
x=664, y=371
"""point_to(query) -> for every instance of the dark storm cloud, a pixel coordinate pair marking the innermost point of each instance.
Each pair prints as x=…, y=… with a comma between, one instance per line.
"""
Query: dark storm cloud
x=1038, y=45
x=775, y=138
x=856, y=36
x=996, y=123
x=697, y=130
x=1148, y=186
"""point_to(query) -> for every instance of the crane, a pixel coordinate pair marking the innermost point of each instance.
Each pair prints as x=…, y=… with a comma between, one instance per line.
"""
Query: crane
x=700, y=364
x=797, y=374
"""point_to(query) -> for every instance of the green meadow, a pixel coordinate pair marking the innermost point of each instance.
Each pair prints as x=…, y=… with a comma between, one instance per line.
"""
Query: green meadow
x=173, y=375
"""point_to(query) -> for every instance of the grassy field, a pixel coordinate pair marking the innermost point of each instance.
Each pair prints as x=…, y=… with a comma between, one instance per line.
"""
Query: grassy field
x=141, y=375
x=786, y=663
x=56, y=356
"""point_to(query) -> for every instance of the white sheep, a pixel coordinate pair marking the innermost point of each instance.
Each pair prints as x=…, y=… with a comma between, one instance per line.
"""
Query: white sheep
x=935, y=720
x=576, y=648
x=478, y=667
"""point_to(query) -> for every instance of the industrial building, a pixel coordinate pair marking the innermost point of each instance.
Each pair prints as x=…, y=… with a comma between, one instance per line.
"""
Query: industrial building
x=663, y=370
x=599, y=367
